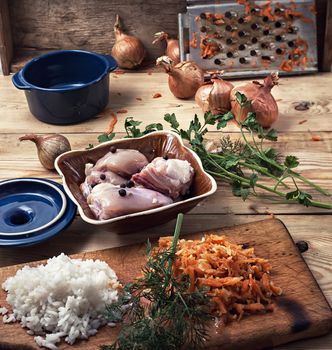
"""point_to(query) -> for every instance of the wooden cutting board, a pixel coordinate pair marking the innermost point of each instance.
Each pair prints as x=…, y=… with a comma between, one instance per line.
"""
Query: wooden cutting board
x=301, y=312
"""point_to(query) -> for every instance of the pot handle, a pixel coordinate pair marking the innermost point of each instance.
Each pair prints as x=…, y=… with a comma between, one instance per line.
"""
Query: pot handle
x=111, y=63
x=19, y=82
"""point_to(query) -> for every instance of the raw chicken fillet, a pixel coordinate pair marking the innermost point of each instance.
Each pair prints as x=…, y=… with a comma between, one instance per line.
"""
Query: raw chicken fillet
x=109, y=201
x=113, y=168
x=172, y=177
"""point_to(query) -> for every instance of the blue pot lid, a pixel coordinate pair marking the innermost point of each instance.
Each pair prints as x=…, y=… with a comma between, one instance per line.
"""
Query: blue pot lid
x=32, y=210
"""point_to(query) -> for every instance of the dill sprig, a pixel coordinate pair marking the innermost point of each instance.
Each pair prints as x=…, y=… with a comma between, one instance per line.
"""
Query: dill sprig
x=157, y=309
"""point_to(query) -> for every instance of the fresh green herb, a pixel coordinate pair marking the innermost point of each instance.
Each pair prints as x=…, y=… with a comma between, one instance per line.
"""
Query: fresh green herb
x=160, y=313
x=133, y=131
x=104, y=137
x=242, y=162
x=90, y=146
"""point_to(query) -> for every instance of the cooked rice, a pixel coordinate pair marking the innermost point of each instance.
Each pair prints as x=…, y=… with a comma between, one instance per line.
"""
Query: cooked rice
x=64, y=298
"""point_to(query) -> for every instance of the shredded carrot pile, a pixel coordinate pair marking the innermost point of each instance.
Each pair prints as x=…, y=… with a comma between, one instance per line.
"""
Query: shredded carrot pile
x=237, y=281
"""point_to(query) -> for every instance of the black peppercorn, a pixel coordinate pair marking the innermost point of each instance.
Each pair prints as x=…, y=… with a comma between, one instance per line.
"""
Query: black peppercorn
x=113, y=149
x=102, y=176
x=302, y=246
x=165, y=157
x=122, y=192
x=123, y=186
x=130, y=183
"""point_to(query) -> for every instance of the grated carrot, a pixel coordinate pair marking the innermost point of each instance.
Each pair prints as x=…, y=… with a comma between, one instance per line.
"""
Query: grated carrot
x=237, y=281
x=112, y=123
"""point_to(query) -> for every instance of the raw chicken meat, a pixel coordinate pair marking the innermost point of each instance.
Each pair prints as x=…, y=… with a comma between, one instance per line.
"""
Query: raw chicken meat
x=172, y=177
x=113, y=168
x=94, y=177
x=108, y=201
x=124, y=162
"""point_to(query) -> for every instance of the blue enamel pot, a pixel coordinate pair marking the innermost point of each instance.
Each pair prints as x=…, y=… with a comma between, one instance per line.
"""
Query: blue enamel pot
x=67, y=86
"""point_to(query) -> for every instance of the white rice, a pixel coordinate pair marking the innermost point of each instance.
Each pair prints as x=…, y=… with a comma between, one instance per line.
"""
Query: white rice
x=64, y=298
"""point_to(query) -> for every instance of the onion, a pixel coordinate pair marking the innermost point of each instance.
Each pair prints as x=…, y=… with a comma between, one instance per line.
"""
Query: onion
x=49, y=147
x=128, y=50
x=184, y=79
x=172, y=48
x=214, y=96
x=262, y=101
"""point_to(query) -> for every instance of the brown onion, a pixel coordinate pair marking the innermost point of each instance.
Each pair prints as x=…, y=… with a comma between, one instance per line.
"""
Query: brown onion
x=172, y=48
x=128, y=50
x=262, y=101
x=184, y=79
x=214, y=96
x=49, y=147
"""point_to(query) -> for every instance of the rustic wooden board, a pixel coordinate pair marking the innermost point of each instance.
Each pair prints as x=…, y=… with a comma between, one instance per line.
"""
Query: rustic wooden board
x=301, y=312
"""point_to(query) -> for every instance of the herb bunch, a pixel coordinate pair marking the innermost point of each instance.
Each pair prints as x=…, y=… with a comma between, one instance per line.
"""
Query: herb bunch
x=245, y=163
x=160, y=313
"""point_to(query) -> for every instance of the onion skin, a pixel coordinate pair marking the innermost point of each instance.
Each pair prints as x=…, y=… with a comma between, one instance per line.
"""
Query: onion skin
x=49, y=147
x=262, y=101
x=184, y=79
x=214, y=96
x=172, y=48
x=128, y=50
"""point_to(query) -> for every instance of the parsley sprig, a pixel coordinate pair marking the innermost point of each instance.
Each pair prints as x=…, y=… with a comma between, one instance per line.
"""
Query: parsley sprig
x=236, y=159
x=157, y=310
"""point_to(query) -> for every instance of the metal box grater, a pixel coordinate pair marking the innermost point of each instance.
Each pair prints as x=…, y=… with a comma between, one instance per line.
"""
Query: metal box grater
x=250, y=38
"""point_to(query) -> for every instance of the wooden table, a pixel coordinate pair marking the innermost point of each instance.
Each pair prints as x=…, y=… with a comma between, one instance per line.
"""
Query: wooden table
x=134, y=92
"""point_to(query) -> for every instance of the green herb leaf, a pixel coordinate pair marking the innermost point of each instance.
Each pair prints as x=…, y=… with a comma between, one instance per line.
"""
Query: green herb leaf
x=210, y=119
x=240, y=190
x=90, y=146
x=291, y=162
x=242, y=99
x=224, y=119
x=104, y=138
x=302, y=197
x=272, y=135
x=171, y=118
x=253, y=180
x=231, y=161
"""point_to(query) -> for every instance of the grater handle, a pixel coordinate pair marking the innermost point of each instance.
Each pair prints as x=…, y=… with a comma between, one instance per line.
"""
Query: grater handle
x=181, y=35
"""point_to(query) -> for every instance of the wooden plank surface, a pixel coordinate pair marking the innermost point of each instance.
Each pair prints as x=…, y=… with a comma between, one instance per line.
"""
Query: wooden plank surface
x=15, y=116
x=39, y=25
x=302, y=311
x=222, y=209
